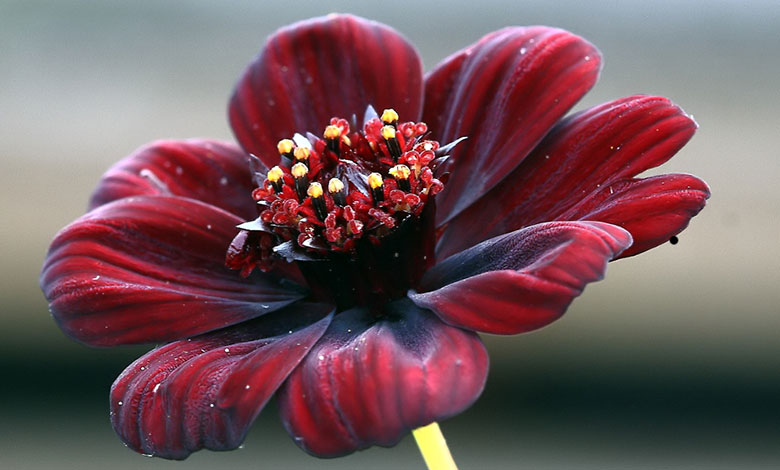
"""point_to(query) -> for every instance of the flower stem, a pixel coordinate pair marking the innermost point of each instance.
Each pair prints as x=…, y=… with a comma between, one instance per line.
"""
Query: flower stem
x=434, y=448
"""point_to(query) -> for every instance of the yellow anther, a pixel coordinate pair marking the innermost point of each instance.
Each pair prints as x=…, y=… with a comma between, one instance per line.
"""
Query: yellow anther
x=299, y=170
x=315, y=190
x=336, y=190
x=375, y=180
x=275, y=174
x=285, y=146
x=400, y=172
x=301, y=154
x=388, y=132
x=389, y=116
x=332, y=132
x=335, y=185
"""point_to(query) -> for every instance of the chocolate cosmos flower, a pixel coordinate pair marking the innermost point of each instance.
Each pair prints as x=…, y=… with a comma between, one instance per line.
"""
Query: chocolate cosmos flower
x=371, y=246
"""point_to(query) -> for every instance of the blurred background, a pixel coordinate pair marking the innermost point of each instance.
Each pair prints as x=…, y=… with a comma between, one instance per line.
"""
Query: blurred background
x=671, y=362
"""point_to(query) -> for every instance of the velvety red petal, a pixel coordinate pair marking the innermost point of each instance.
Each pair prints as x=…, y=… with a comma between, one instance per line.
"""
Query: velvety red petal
x=149, y=269
x=586, y=151
x=522, y=280
x=205, y=392
x=214, y=172
x=652, y=209
x=504, y=93
x=316, y=69
x=370, y=380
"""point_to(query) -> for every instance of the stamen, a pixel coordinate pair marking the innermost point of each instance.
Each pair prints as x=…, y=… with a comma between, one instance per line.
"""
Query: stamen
x=388, y=133
x=276, y=178
x=296, y=210
x=377, y=189
x=332, y=134
x=317, y=201
x=286, y=147
x=336, y=190
x=390, y=117
x=401, y=174
x=301, y=175
x=302, y=155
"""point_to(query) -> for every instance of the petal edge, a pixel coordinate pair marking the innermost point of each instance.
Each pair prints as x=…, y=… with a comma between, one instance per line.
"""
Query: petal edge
x=206, y=392
x=210, y=171
x=585, y=151
x=149, y=269
x=504, y=93
x=523, y=280
x=316, y=69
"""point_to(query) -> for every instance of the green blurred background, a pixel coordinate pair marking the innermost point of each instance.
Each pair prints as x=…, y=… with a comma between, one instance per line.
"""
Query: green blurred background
x=672, y=362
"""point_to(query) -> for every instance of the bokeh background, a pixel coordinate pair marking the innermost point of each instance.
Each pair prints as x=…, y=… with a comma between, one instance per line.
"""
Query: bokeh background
x=672, y=362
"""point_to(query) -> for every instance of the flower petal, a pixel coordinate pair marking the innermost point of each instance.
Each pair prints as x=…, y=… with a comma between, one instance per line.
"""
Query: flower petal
x=316, y=69
x=214, y=172
x=368, y=381
x=146, y=269
x=652, y=209
x=586, y=151
x=205, y=392
x=522, y=280
x=504, y=93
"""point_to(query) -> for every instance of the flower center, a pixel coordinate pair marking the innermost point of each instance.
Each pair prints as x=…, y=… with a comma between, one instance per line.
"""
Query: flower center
x=353, y=209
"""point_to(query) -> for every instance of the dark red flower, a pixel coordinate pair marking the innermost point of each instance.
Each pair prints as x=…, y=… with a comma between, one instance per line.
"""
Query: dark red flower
x=353, y=291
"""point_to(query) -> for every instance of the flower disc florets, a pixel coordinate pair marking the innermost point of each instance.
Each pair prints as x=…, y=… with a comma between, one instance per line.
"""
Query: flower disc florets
x=340, y=197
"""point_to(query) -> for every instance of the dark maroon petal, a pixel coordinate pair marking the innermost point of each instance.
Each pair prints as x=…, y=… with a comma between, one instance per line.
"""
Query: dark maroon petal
x=586, y=151
x=146, y=269
x=205, y=392
x=652, y=209
x=522, y=280
x=214, y=172
x=370, y=380
x=316, y=69
x=504, y=93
